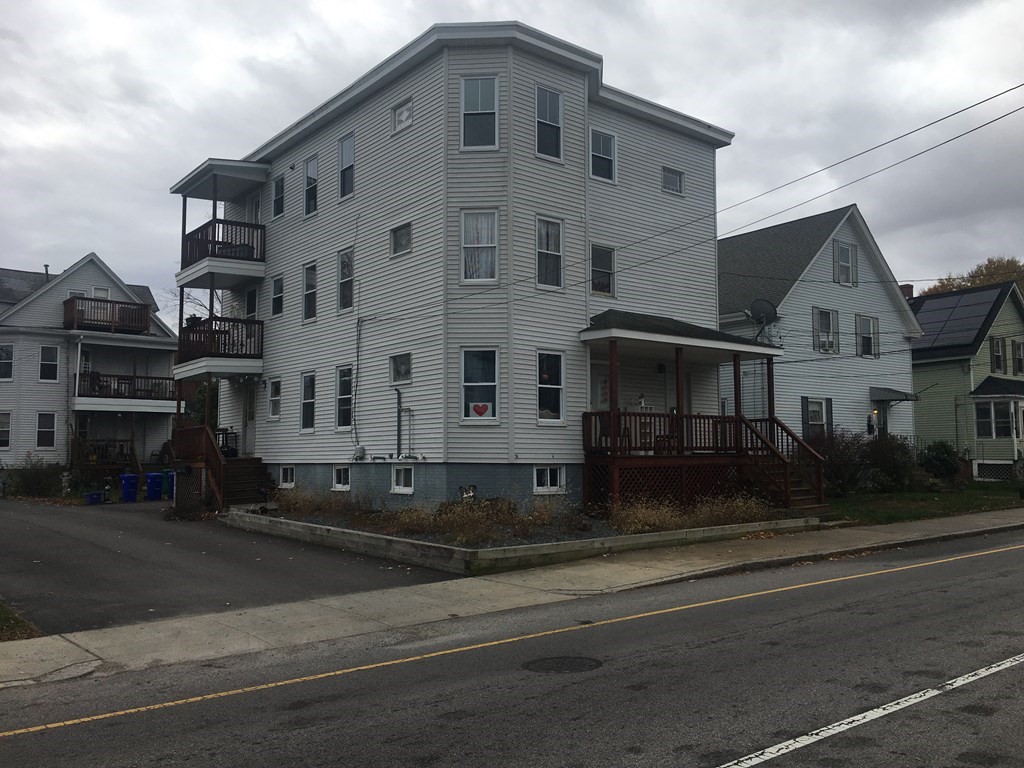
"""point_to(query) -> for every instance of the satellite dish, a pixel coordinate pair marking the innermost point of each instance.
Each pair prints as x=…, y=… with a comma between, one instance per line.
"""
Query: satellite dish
x=763, y=312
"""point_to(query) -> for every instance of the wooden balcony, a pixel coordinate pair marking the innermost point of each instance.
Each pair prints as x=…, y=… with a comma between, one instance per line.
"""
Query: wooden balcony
x=123, y=386
x=108, y=452
x=224, y=239
x=221, y=337
x=83, y=314
x=645, y=433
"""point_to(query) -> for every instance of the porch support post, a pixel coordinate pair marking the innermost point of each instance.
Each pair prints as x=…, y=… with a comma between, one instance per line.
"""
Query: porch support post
x=184, y=223
x=770, y=365
x=613, y=397
x=680, y=382
x=213, y=216
x=737, y=402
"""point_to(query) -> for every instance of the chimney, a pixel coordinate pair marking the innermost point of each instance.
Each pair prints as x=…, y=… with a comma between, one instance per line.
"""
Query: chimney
x=907, y=289
x=46, y=269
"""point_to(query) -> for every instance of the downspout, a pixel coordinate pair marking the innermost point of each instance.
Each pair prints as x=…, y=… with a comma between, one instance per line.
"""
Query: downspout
x=78, y=367
x=398, y=424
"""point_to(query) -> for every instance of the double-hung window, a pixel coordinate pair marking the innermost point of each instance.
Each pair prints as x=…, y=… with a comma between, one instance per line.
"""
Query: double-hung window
x=549, y=387
x=993, y=420
x=549, y=122
x=347, y=166
x=672, y=180
x=307, y=419
x=825, y=330
x=311, y=185
x=549, y=252
x=346, y=279
x=844, y=262
x=6, y=362
x=997, y=350
x=401, y=239
x=602, y=270
x=46, y=430
x=309, y=292
x=278, y=203
x=479, y=245
x=274, y=399
x=277, y=296
x=479, y=384
x=480, y=112
x=1018, y=357
x=48, y=366
x=5, y=429
x=343, y=398
x=867, y=336
x=602, y=155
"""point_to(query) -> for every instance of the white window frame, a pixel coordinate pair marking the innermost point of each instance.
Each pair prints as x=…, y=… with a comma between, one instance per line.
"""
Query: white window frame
x=77, y=293
x=345, y=483
x=462, y=114
x=345, y=164
x=286, y=476
x=307, y=292
x=990, y=407
x=303, y=400
x=101, y=292
x=273, y=413
x=462, y=223
x=560, y=387
x=9, y=362
x=614, y=157
x=560, y=253
x=667, y=171
x=391, y=239
x=346, y=254
x=306, y=186
x=542, y=479
x=611, y=272
x=827, y=344
x=837, y=254
x=40, y=430
x=274, y=296
x=463, y=384
x=539, y=120
x=872, y=334
x=391, y=369
x=824, y=415
x=277, y=181
x=338, y=398
x=402, y=469
x=5, y=440
x=55, y=364
x=395, y=110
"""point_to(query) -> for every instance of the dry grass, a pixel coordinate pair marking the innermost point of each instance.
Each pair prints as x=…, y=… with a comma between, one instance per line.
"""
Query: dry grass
x=654, y=517
x=13, y=627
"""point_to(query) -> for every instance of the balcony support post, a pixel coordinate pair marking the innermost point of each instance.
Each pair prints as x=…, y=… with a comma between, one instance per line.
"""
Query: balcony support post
x=770, y=369
x=613, y=396
x=737, y=402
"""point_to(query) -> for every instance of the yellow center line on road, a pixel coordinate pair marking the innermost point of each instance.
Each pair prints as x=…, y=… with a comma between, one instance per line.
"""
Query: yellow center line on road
x=489, y=644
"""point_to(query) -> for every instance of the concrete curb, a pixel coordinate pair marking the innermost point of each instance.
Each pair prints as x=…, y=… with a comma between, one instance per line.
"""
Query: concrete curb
x=477, y=562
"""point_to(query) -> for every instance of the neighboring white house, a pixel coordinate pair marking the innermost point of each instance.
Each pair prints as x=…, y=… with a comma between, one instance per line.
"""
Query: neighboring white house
x=433, y=276
x=842, y=319
x=85, y=368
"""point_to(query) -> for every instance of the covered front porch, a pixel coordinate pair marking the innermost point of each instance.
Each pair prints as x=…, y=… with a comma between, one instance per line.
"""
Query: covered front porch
x=655, y=430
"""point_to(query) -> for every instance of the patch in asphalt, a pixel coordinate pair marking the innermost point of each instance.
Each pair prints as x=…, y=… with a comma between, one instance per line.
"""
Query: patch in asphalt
x=562, y=664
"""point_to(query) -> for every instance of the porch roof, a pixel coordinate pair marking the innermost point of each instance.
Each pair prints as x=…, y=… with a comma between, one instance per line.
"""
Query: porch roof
x=891, y=395
x=235, y=178
x=993, y=386
x=646, y=331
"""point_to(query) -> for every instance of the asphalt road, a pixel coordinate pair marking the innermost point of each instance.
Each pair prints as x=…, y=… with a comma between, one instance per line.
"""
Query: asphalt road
x=692, y=674
x=76, y=568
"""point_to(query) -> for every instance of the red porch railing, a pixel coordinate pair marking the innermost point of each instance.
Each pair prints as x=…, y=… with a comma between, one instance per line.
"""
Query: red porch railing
x=224, y=239
x=806, y=461
x=197, y=444
x=95, y=384
x=83, y=314
x=221, y=337
x=643, y=433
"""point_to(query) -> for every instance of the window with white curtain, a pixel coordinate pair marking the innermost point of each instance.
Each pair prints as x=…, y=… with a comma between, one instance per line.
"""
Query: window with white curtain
x=549, y=252
x=479, y=245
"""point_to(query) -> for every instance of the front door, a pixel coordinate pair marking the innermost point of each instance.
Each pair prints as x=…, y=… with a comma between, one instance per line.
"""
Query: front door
x=599, y=387
x=249, y=423
x=881, y=411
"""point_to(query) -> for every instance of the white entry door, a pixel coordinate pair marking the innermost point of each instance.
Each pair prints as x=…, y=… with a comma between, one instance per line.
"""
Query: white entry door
x=599, y=397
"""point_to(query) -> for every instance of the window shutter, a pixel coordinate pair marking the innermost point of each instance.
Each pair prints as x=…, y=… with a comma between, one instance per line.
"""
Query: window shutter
x=815, y=329
x=805, y=417
x=992, y=353
x=835, y=261
x=858, y=346
x=853, y=263
x=878, y=348
x=1002, y=356
x=828, y=416
x=835, y=331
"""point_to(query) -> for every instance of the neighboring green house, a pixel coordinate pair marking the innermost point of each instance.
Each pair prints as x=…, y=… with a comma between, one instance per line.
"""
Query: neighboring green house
x=969, y=374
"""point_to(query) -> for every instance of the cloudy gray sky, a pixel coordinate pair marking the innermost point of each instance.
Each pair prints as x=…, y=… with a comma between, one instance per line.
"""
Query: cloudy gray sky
x=104, y=104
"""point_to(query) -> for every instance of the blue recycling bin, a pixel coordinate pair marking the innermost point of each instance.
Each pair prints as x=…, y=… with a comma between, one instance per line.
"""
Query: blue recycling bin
x=129, y=487
x=154, y=486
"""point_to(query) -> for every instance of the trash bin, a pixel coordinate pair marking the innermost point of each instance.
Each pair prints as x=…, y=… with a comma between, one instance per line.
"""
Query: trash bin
x=154, y=486
x=169, y=483
x=129, y=487
x=94, y=497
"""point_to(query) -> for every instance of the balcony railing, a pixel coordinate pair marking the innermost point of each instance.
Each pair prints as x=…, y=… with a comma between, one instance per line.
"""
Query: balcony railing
x=83, y=314
x=102, y=451
x=224, y=239
x=95, y=384
x=221, y=337
x=665, y=434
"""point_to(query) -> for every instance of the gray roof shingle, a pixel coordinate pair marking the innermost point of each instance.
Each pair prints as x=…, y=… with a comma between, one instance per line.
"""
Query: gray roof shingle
x=16, y=285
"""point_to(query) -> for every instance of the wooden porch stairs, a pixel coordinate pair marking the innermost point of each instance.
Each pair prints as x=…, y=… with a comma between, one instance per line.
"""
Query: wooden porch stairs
x=246, y=481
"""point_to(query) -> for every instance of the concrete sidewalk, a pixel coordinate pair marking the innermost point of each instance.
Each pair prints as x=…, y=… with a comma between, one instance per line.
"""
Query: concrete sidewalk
x=216, y=635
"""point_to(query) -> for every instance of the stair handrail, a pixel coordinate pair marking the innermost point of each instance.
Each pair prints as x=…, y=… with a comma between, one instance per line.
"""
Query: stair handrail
x=773, y=451
x=214, y=461
x=818, y=481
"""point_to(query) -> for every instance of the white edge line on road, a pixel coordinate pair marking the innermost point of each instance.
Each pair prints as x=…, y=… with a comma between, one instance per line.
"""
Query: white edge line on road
x=872, y=714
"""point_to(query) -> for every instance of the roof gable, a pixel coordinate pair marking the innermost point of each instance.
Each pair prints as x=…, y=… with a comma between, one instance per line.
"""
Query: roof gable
x=956, y=323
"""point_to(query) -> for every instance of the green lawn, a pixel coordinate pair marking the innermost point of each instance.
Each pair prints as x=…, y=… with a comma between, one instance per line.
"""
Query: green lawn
x=13, y=627
x=875, y=508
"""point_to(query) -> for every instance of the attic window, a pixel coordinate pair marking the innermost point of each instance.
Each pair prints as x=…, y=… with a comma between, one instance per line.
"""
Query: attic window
x=844, y=263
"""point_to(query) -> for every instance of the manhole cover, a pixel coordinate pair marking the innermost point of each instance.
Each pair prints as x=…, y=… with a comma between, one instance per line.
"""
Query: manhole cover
x=562, y=664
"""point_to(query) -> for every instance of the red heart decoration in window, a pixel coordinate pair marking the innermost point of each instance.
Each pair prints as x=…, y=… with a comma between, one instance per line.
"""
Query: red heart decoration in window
x=480, y=408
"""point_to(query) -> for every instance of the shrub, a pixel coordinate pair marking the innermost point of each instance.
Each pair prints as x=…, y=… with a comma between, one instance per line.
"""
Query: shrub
x=35, y=478
x=729, y=510
x=940, y=460
x=844, y=470
x=645, y=517
x=890, y=463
